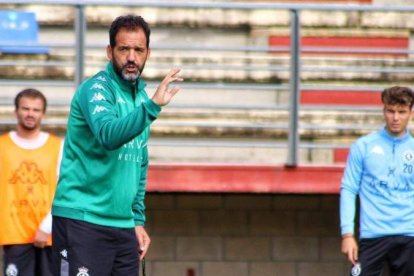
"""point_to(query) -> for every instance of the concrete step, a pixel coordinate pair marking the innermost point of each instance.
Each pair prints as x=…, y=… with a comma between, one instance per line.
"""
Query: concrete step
x=315, y=125
x=229, y=29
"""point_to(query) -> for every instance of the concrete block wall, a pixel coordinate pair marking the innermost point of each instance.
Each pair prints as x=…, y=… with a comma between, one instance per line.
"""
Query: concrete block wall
x=244, y=235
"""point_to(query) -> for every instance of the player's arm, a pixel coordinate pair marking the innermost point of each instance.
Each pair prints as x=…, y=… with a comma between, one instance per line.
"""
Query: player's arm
x=45, y=228
x=349, y=190
x=349, y=247
x=43, y=232
x=143, y=240
x=98, y=104
x=139, y=207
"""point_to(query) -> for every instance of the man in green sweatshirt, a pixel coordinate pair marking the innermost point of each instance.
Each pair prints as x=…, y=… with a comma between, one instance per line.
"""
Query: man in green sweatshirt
x=98, y=210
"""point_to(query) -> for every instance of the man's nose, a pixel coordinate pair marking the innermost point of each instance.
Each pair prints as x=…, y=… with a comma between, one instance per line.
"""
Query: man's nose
x=131, y=55
x=396, y=117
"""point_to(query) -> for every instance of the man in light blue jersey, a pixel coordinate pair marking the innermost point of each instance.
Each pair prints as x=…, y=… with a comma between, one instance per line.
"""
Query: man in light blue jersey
x=380, y=172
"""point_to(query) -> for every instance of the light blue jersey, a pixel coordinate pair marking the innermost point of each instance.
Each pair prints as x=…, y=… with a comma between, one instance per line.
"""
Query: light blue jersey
x=380, y=169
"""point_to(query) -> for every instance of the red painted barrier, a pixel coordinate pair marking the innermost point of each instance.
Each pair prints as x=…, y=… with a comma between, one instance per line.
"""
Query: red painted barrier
x=340, y=97
x=366, y=2
x=243, y=178
x=340, y=155
x=326, y=1
x=376, y=43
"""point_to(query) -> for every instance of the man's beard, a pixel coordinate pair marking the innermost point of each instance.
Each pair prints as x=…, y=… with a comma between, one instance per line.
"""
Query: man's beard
x=130, y=76
x=25, y=127
x=122, y=71
x=28, y=127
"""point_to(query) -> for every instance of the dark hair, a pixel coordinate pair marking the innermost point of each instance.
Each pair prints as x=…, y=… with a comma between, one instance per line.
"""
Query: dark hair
x=131, y=23
x=398, y=95
x=30, y=93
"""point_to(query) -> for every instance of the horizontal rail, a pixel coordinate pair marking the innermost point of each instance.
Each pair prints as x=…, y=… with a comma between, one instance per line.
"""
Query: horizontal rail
x=268, y=126
x=220, y=5
x=237, y=67
x=258, y=49
x=237, y=143
x=213, y=86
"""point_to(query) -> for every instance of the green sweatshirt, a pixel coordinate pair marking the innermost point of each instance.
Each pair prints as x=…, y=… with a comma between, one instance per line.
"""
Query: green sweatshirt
x=105, y=158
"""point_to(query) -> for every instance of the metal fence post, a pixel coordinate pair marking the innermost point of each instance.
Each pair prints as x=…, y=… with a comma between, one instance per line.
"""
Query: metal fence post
x=293, y=135
x=80, y=30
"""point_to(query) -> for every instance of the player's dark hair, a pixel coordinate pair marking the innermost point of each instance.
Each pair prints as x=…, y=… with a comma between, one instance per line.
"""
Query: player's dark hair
x=131, y=23
x=30, y=93
x=398, y=95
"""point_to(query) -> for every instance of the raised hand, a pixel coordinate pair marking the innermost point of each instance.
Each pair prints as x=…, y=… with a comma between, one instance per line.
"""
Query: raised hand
x=164, y=93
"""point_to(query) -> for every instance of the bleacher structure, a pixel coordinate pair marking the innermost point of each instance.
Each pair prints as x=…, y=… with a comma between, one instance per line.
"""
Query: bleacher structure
x=247, y=160
x=236, y=105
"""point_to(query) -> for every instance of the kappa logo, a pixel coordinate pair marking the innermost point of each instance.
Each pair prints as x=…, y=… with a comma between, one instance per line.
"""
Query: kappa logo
x=98, y=109
x=120, y=100
x=12, y=270
x=97, y=97
x=28, y=173
x=101, y=78
x=64, y=253
x=378, y=150
x=83, y=271
x=97, y=86
x=356, y=270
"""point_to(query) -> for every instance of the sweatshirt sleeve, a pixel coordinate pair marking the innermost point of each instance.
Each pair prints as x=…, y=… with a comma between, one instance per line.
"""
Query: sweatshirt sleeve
x=138, y=206
x=350, y=187
x=98, y=101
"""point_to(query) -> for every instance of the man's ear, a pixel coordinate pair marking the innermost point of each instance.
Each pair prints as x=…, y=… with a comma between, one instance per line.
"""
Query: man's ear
x=149, y=53
x=109, y=52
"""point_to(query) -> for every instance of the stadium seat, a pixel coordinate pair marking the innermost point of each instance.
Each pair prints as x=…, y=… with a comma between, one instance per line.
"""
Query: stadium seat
x=19, y=33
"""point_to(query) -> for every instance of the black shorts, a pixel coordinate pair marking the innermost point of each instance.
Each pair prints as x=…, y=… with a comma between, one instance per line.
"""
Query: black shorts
x=27, y=260
x=397, y=252
x=82, y=248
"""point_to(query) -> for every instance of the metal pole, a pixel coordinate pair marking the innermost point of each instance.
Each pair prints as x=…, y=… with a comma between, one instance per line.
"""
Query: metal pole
x=293, y=138
x=80, y=30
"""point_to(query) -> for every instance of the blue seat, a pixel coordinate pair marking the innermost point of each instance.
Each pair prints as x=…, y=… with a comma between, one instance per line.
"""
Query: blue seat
x=19, y=33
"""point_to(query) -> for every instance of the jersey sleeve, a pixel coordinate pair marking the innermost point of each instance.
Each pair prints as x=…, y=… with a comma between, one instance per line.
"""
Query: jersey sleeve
x=350, y=187
x=98, y=104
x=138, y=206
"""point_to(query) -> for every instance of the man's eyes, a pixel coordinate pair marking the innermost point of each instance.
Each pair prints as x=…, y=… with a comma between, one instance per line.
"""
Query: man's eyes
x=127, y=49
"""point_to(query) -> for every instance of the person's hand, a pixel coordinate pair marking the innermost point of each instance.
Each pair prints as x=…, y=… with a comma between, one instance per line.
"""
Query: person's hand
x=143, y=241
x=350, y=248
x=40, y=239
x=164, y=93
